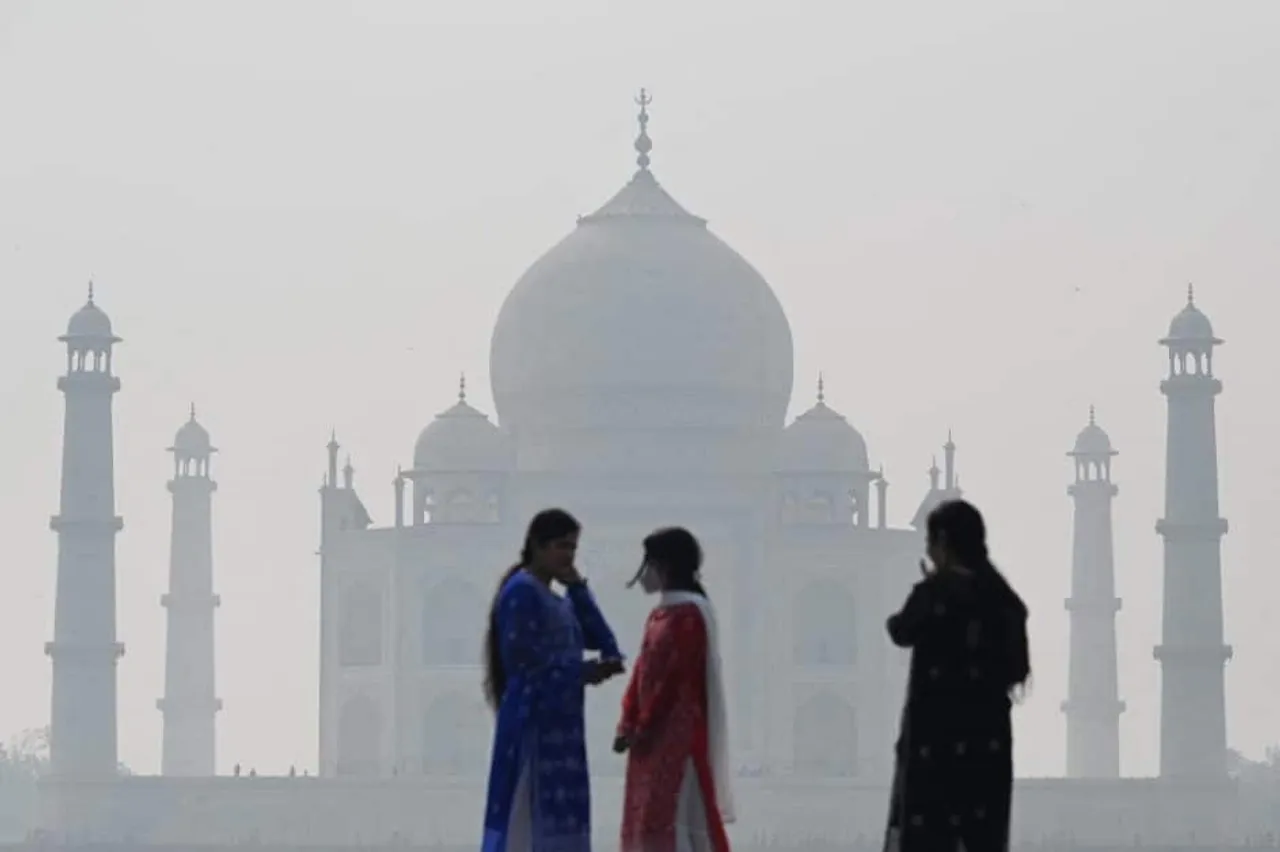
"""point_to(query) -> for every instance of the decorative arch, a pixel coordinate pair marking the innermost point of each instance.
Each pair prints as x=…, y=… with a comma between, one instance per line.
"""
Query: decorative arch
x=824, y=616
x=360, y=625
x=455, y=736
x=453, y=623
x=825, y=738
x=360, y=737
x=461, y=497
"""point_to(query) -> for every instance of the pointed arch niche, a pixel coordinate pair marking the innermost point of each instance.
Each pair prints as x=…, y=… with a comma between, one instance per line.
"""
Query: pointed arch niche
x=824, y=625
x=453, y=619
x=360, y=737
x=455, y=736
x=825, y=738
x=360, y=625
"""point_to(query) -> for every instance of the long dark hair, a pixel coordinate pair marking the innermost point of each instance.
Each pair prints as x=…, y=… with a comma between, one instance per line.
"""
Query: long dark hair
x=958, y=525
x=678, y=552
x=546, y=526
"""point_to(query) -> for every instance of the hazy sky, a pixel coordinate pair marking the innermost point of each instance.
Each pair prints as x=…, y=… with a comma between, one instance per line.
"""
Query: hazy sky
x=304, y=215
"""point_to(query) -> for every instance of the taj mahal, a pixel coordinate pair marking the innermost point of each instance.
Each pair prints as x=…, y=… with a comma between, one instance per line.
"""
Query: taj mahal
x=592, y=416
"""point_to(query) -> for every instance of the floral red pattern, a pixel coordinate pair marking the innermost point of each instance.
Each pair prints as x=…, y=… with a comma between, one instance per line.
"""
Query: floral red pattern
x=664, y=716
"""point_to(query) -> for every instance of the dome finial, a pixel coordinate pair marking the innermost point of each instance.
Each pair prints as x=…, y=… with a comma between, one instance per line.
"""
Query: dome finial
x=193, y=412
x=91, y=291
x=643, y=143
x=1092, y=419
x=462, y=388
x=822, y=389
x=1191, y=293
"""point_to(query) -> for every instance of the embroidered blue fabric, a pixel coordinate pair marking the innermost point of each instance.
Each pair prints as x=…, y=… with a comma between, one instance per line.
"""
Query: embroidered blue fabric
x=542, y=637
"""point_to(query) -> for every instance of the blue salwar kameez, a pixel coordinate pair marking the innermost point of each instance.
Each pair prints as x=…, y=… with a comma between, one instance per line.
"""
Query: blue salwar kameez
x=539, y=796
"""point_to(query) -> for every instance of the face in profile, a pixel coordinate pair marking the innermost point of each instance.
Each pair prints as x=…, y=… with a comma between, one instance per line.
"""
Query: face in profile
x=650, y=578
x=936, y=548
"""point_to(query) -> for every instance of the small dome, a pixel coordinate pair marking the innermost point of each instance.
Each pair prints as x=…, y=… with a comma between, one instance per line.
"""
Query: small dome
x=462, y=440
x=192, y=439
x=1093, y=440
x=90, y=322
x=822, y=441
x=1191, y=324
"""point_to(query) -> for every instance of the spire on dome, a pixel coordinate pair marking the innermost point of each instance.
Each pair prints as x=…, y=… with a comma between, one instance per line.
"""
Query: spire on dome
x=462, y=388
x=91, y=291
x=193, y=412
x=643, y=143
x=1093, y=420
x=1191, y=293
x=822, y=389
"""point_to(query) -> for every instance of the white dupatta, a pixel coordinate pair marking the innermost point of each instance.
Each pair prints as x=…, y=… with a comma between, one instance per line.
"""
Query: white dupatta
x=717, y=717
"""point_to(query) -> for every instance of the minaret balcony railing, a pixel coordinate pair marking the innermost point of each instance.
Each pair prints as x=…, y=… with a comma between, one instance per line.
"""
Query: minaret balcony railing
x=89, y=382
x=1193, y=654
x=1093, y=709
x=94, y=524
x=191, y=483
x=1097, y=606
x=1092, y=488
x=189, y=704
x=1191, y=384
x=1208, y=530
x=180, y=602
x=84, y=652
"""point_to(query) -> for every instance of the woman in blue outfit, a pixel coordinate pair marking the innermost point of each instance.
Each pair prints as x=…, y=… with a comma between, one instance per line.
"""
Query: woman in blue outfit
x=539, y=796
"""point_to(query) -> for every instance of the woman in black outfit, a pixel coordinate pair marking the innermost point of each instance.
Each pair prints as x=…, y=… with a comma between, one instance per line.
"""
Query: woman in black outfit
x=967, y=631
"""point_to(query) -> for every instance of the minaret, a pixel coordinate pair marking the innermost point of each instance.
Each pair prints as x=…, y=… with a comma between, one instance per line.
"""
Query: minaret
x=882, y=499
x=949, y=454
x=1193, y=656
x=84, y=649
x=190, y=705
x=1093, y=705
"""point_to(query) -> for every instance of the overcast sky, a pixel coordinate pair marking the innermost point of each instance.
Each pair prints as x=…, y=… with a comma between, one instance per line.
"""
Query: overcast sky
x=304, y=215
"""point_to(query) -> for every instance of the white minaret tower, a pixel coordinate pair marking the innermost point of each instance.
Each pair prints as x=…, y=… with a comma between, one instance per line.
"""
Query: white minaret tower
x=84, y=649
x=1193, y=656
x=190, y=705
x=1093, y=704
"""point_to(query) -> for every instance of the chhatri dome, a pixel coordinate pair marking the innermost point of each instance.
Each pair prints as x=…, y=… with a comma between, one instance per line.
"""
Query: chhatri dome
x=1093, y=440
x=461, y=439
x=641, y=318
x=1191, y=325
x=90, y=323
x=192, y=439
x=822, y=440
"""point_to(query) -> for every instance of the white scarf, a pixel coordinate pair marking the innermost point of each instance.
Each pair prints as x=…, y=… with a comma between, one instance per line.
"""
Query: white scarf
x=717, y=718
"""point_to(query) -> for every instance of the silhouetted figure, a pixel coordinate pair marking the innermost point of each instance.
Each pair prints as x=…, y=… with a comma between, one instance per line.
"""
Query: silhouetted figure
x=966, y=628
x=534, y=678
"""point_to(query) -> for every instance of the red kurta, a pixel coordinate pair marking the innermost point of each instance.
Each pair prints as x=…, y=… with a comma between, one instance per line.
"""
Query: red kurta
x=671, y=797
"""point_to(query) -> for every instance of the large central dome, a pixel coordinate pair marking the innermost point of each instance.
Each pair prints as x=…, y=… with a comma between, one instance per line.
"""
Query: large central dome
x=641, y=318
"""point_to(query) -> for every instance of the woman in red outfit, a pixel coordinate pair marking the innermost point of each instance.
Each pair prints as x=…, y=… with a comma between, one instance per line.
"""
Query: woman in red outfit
x=673, y=715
